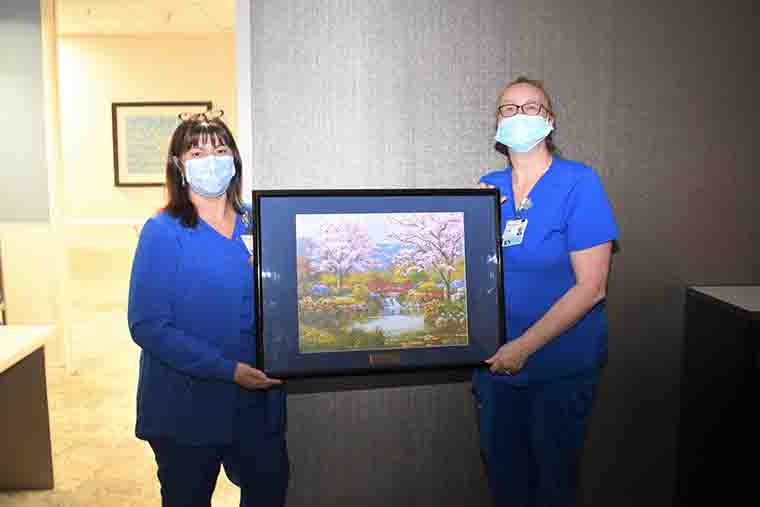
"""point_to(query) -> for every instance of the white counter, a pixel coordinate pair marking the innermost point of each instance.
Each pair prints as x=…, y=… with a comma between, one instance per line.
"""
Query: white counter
x=746, y=297
x=17, y=342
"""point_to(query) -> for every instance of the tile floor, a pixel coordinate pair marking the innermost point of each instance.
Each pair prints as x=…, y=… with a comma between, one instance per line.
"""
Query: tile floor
x=97, y=460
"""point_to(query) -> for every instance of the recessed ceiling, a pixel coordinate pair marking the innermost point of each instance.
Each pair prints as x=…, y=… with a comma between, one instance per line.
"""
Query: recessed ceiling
x=134, y=17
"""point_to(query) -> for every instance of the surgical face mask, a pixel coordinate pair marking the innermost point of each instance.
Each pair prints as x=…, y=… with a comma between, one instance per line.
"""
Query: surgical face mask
x=210, y=176
x=522, y=132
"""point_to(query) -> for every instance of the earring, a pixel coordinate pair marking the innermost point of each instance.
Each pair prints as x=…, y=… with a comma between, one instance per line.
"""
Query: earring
x=183, y=179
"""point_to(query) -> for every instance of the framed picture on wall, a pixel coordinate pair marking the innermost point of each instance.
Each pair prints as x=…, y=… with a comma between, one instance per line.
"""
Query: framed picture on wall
x=141, y=134
x=358, y=282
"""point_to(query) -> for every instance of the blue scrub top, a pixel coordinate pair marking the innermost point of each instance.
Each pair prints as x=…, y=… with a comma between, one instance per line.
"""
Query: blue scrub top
x=191, y=310
x=570, y=211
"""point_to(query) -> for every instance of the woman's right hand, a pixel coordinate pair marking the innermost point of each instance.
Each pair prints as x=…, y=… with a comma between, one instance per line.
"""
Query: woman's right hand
x=486, y=185
x=250, y=378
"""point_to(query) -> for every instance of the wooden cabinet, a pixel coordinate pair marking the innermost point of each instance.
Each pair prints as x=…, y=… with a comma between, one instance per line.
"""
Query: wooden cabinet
x=26, y=458
x=718, y=427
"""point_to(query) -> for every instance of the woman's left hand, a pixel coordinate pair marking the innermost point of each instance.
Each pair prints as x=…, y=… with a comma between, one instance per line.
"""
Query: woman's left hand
x=509, y=359
x=250, y=378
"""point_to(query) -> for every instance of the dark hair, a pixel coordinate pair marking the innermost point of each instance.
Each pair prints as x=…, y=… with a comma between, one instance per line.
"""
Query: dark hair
x=188, y=134
x=536, y=83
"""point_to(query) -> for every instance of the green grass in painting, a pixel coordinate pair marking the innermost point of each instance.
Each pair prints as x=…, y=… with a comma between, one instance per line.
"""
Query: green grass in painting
x=334, y=340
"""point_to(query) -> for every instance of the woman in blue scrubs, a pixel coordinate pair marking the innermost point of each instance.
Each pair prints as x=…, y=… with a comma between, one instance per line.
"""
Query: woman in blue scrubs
x=200, y=403
x=536, y=393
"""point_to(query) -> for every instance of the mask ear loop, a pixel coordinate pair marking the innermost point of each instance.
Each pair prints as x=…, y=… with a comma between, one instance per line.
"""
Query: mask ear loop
x=179, y=169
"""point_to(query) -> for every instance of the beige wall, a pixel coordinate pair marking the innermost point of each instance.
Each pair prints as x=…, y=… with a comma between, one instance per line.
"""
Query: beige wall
x=101, y=221
x=96, y=71
x=30, y=279
x=76, y=269
x=29, y=233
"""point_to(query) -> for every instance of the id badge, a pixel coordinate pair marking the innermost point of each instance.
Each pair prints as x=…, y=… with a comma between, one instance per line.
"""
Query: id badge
x=514, y=232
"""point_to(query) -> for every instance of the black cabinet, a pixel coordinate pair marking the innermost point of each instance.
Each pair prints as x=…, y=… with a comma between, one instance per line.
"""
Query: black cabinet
x=718, y=428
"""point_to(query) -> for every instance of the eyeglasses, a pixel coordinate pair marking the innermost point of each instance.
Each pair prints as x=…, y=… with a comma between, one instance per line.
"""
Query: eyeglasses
x=529, y=108
x=204, y=116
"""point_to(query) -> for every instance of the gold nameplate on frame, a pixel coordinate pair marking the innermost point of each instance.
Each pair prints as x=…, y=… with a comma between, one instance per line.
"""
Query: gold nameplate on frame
x=385, y=358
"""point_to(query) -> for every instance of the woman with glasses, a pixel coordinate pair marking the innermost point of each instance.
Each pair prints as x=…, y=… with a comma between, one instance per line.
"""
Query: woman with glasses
x=200, y=403
x=536, y=393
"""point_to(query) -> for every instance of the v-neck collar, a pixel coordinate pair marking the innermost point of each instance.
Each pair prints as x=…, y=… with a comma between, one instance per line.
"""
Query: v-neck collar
x=541, y=178
x=235, y=229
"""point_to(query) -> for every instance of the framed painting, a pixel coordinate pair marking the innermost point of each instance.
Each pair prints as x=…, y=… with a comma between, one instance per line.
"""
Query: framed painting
x=359, y=282
x=141, y=134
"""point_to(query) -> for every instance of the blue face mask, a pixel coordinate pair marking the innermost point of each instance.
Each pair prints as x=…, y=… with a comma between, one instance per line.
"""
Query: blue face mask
x=210, y=176
x=522, y=132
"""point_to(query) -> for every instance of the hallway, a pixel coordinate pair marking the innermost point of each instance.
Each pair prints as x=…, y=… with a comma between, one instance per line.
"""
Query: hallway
x=97, y=459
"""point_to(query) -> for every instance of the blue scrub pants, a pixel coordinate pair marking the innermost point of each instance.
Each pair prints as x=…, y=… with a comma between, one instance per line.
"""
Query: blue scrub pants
x=256, y=461
x=531, y=437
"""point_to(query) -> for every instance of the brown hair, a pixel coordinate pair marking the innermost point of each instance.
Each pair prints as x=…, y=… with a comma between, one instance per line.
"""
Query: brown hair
x=535, y=83
x=188, y=134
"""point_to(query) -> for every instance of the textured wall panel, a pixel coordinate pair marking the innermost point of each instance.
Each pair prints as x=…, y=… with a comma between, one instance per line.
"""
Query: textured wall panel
x=659, y=97
x=349, y=93
x=346, y=94
x=406, y=446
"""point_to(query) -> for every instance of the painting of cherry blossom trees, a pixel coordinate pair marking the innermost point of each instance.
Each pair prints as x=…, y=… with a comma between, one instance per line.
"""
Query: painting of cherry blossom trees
x=377, y=281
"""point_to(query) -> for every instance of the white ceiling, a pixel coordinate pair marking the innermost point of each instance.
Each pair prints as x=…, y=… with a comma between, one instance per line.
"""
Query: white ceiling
x=134, y=17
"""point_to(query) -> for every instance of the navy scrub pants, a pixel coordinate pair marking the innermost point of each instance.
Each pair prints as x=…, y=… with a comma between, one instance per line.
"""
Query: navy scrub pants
x=531, y=438
x=256, y=461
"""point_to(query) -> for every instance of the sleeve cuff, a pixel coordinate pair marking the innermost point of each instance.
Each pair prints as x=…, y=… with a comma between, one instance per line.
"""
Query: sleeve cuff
x=227, y=370
x=585, y=245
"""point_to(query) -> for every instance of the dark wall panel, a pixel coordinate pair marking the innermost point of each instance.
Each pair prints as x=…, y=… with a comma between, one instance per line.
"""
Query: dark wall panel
x=659, y=97
x=414, y=446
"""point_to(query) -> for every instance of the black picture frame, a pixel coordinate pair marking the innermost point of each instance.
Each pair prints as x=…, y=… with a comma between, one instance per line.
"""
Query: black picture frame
x=286, y=343
x=141, y=132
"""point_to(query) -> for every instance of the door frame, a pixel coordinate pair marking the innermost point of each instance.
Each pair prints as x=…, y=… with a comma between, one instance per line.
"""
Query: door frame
x=244, y=82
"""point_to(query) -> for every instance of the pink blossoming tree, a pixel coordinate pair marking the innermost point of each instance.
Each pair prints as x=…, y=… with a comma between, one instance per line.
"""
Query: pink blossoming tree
x=343, y=247
x=433, y=242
